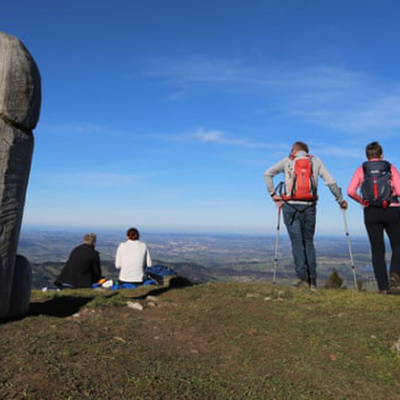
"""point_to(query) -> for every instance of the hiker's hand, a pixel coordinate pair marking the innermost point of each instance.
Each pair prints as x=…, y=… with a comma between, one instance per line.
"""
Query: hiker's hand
x=277, y=200
x=344, y=205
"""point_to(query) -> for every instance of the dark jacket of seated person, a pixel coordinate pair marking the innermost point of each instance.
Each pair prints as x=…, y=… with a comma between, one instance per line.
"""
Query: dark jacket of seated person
x=82, y=268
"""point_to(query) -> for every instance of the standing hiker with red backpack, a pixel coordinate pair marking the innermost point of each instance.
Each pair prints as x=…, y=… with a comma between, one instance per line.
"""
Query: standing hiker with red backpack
x=297, y=196
x=379, y=184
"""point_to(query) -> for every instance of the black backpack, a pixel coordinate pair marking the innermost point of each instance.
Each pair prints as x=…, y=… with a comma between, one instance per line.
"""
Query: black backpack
x=376, y=189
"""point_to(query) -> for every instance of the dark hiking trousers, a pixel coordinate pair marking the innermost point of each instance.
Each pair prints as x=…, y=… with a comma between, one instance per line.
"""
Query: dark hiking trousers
x=377, y=221
x=300, y=224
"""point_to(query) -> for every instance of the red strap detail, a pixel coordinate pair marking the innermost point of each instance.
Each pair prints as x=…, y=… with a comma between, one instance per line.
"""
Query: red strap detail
x=376, y=193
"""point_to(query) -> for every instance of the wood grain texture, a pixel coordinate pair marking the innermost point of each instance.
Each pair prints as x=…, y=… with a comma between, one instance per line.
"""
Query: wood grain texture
x=20, y=97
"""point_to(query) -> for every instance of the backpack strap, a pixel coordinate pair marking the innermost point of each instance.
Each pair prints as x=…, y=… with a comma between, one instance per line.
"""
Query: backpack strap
x=279, y=190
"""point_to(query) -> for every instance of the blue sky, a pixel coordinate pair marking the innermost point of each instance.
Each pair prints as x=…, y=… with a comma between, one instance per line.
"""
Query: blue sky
x=165, y=114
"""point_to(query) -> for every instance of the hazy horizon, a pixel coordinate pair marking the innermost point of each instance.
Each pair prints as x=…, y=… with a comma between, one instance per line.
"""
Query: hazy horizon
x=60, y=230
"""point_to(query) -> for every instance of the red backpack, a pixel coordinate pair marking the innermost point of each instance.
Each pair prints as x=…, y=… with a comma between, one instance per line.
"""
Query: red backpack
x=301, y=184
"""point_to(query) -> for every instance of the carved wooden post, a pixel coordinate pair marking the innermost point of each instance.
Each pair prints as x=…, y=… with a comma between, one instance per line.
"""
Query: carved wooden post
x=20, y=97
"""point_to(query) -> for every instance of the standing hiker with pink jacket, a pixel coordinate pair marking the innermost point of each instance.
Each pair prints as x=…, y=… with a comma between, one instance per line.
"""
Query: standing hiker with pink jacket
x=376, y=186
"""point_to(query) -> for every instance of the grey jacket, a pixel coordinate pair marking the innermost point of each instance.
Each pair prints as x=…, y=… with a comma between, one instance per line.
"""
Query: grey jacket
x=286, y=166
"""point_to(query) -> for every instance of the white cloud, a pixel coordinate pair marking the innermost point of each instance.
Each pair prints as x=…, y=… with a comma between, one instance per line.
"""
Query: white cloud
x=97, y=179
x=220, y=137
x=329, y=96
x=323, y=149
x=201, y=70
x=381, y=116
x=81, y=129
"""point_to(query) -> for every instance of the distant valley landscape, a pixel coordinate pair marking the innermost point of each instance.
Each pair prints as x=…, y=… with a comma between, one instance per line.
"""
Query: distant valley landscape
x=203, y=258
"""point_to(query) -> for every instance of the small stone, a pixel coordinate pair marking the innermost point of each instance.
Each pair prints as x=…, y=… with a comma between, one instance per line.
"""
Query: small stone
x=151, y=298
x=268, y=298
x=396, y=347
x=134, y=306
x=120, y=339
x=77, y=315
x=152, y=304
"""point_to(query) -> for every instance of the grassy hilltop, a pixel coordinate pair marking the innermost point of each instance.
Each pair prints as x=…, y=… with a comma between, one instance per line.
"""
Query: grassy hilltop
x=211, y=341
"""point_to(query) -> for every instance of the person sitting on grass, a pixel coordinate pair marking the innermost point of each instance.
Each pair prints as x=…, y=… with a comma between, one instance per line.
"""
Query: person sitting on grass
x=132, y=258
x=82, y=268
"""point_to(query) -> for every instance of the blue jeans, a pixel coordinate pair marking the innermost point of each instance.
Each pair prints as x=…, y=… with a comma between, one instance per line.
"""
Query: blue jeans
x=300, y=224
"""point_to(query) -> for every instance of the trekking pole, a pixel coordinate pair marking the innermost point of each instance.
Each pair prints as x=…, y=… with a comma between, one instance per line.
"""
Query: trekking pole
x=277, y=244
x=350, y=252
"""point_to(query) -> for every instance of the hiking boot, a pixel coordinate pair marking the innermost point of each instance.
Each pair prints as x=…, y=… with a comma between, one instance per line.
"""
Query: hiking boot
x=301, y=283
x=313, y=284
x=394, y=281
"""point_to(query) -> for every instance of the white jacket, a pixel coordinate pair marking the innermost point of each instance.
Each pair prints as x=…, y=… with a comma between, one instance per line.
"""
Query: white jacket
x=132, y=258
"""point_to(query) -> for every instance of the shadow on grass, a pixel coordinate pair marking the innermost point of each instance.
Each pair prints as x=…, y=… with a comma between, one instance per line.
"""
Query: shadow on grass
x=177, y=282
x=59, y=307
x=66, y=306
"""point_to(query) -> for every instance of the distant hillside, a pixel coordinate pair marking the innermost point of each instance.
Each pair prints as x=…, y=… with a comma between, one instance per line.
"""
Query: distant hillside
x=203, y=258
x=211, y=341
x=44, y=273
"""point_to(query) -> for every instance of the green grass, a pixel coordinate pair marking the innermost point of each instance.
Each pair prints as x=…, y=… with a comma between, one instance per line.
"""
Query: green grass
x=212, y=341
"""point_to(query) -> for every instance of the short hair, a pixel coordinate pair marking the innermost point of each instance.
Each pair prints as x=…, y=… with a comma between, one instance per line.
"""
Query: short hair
x=90, y=239
x=373, y=150
x=300, y=146
x=132, y=234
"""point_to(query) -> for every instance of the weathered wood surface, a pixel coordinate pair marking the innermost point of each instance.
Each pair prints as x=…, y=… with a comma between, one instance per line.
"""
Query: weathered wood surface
x=20, y=89
x=21, y=289
x=20, y=98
